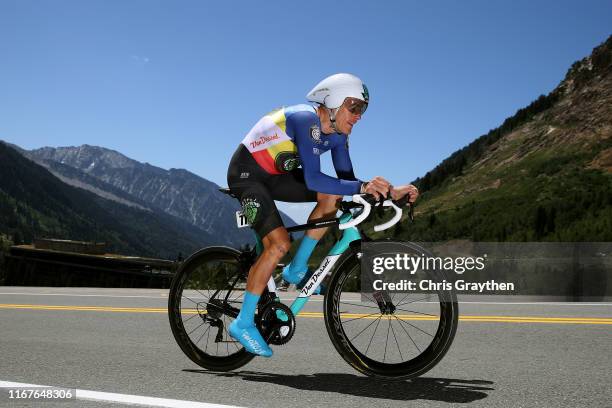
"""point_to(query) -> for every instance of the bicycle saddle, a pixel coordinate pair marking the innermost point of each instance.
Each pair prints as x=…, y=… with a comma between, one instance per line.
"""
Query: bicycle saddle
x=226, y=190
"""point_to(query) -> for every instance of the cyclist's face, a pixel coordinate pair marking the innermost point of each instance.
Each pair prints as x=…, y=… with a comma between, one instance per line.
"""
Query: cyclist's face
x=346, y=118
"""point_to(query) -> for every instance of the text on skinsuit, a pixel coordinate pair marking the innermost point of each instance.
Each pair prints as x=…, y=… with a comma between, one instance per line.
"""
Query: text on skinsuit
x=263, y=140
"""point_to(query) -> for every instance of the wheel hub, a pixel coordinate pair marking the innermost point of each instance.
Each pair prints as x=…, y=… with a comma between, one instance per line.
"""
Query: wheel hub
x=214, y=308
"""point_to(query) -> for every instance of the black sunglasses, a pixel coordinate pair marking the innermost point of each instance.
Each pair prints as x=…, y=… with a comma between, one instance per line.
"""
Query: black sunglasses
x=355, y=106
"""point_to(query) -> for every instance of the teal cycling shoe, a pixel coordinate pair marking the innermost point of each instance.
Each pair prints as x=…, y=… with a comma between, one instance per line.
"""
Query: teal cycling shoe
x=250, y=338
x=299, y=279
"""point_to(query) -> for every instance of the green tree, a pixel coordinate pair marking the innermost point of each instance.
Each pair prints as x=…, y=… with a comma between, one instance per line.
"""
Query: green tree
x=5, y=244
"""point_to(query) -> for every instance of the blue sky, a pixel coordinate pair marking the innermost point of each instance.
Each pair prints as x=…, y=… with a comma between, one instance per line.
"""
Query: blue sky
x=179, y=83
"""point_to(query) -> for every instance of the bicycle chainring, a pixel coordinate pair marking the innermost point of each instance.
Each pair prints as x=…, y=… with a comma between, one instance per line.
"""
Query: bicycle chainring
x=276, y=323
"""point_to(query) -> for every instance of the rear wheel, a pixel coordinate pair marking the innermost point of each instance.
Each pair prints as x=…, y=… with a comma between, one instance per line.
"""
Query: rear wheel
x=390, y=335
x=206, y=295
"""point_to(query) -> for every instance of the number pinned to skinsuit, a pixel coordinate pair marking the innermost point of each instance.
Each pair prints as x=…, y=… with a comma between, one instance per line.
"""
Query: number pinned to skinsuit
x=241, y=220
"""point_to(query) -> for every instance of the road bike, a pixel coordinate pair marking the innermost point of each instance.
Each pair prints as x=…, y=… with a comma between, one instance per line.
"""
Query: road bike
x=381, y=334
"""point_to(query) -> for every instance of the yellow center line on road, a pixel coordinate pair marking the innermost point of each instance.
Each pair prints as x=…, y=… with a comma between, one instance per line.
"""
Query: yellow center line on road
x=87, y=308
x=318, y=315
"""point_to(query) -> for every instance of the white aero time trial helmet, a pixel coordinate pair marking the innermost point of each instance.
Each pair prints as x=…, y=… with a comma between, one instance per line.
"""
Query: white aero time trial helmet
x=333, y=90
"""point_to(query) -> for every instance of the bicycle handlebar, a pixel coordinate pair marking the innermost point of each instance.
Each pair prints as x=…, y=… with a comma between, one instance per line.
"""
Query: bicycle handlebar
x=392, y=221
x=367, y=207
x=366, y=201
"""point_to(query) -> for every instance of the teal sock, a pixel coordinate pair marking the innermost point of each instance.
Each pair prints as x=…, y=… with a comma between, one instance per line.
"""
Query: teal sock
x=246, y=317
x=299, y=263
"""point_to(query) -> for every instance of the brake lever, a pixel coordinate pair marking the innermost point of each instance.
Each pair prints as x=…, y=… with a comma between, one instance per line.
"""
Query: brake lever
x=380, y=204
x=405, y=201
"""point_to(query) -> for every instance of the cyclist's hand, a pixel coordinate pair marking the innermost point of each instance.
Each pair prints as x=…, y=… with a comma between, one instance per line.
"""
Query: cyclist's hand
x=399, y=192
x=377, y=186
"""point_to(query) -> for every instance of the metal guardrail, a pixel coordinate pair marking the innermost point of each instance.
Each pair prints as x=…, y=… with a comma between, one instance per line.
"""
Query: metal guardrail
x=30, y=266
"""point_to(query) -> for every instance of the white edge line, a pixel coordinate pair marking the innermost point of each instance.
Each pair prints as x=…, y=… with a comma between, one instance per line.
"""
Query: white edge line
x=125, y=398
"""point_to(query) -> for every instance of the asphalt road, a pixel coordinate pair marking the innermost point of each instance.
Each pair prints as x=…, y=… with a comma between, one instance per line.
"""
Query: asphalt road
x=119, y=341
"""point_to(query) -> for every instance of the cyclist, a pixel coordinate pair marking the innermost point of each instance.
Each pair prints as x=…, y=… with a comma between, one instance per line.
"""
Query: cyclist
x=266, y=167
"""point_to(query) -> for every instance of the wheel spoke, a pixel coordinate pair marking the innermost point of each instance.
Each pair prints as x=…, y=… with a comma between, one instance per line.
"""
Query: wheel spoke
x=418, y=328
x=414, y=311
x=426, y=297
x=205, y=331
x=205, y=297
x=191, y=300
x=373, y=334
x=197, y=327
x=207, y=340
x=189, y=318
x=357, y=318
x=411, y=339
x=396, y=342
x=387, y=341
x=371, y=323
x=369, y=298
x=235, y=300
x=353, y=304
x=400, y=302
x=228, y=337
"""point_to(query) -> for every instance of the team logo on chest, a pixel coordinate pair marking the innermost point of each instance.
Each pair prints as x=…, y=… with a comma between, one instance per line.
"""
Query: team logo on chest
x=315, y=134
x=286, y=161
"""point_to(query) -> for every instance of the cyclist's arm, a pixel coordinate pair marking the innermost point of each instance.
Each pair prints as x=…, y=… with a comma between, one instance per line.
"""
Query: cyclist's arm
x=311, y=162
x=342, y=161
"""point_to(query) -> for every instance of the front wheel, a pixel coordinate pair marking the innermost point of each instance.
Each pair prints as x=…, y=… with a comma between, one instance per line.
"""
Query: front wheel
x=389, y=335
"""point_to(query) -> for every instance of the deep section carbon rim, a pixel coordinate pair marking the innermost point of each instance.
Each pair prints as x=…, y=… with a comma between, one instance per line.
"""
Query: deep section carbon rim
x=206, y=295
x=400, y=344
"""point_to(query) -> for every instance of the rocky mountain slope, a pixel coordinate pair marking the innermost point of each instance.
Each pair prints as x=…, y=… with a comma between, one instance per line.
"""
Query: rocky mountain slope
x=176, y=192
x=544, y=174
x=36, y=204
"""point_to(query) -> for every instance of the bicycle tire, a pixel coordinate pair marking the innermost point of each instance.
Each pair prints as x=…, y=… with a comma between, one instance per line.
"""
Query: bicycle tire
x=197, y=264
x=414, y=367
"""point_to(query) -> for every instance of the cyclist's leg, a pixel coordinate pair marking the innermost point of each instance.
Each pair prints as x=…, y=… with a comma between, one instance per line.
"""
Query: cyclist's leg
x=327, y=206
x=276, y=244
x=263, y=216
x=291, y=187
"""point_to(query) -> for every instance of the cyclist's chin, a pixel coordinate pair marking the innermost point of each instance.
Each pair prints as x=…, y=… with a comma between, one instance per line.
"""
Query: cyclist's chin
x=346, y=129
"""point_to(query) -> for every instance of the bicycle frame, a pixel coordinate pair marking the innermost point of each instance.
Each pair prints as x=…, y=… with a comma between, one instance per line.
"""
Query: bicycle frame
x=327, y=264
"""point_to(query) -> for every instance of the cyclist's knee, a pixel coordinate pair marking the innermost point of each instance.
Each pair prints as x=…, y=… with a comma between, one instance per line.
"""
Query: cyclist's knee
x=278, y=248
x=277, y=243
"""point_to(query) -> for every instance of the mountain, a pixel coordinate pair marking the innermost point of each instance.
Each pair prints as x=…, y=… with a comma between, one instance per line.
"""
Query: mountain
x=176, y=192
x=35, y=203
x=544, y=174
